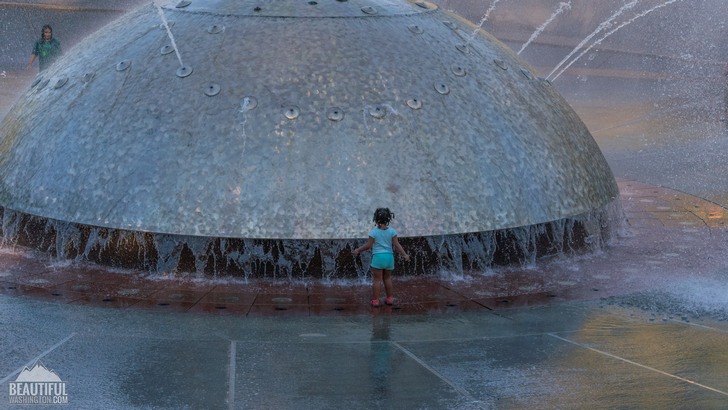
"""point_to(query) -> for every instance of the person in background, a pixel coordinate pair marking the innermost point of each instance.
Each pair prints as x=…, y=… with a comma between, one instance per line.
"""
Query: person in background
x=46, y=49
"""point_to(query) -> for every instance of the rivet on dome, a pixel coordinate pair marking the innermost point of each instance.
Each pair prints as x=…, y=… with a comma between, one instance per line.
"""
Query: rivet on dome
x=60, y=82
x=527, y=74
x=458, y=70
x=212, y=90
x=442, y=88
x=183, y=3
x=166, y=49
x=450, y=25
x=312, y=3
x=415, y=29
x=292, y=112
x=500, y=63
x=36, y=81
x=463, y=48
x=88, y=77
x=123, y=65
x=414, y=103
x=43, y=84
x=335, y=114
x=377, y=111
x=423, y=5
x=184, y=71
x=248, y=103
x=369, y=10
x=214, y=29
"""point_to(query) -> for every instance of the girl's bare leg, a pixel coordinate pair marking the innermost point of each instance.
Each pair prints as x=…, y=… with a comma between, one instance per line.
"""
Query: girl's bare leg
x=387, y=275
x=376, y=283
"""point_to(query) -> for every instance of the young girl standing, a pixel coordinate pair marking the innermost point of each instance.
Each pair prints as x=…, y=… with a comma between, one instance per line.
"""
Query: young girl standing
x=383, y=239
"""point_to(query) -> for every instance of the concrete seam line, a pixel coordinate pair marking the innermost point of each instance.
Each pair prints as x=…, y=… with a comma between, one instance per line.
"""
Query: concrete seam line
x=458, y=389
x=715, y=329
x=474, y=338
x=640, y=365
x=35, y=359
x=231, y=374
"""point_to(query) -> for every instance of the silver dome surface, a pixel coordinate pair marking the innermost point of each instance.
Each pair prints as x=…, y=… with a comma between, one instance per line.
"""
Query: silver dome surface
x=290, y=119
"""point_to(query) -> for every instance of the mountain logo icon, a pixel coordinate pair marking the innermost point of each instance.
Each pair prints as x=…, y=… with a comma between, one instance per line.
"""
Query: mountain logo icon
x=38, y=373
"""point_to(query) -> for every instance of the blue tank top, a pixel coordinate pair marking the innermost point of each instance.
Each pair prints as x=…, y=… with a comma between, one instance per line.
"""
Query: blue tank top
x=382, y=239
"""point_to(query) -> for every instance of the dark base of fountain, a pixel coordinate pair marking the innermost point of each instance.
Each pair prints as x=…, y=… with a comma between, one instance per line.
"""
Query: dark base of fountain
x=283, y=259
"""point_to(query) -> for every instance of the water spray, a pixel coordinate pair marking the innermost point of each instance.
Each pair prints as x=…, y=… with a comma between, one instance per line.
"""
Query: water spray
x=482, y=21
x=603, y=26
x=169, y=32
x=596, y=43
x=563, y=6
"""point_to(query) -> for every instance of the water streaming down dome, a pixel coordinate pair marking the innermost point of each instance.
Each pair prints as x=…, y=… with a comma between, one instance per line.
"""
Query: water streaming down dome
x=263, y=146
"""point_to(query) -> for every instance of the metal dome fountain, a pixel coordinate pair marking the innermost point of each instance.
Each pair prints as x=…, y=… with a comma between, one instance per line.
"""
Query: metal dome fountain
x=258, y=138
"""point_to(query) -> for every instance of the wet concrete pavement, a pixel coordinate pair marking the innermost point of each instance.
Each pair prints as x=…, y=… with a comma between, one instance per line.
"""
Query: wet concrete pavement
x=579, y=354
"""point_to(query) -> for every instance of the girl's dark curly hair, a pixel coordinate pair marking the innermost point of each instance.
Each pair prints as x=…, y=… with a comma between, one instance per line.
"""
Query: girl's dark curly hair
x=383, y=216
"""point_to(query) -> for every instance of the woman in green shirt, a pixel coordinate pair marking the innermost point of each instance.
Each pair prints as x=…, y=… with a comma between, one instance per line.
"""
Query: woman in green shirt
x=46, y=49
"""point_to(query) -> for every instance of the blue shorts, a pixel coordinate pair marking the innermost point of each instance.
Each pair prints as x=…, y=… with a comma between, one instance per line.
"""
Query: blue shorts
x=383, y=261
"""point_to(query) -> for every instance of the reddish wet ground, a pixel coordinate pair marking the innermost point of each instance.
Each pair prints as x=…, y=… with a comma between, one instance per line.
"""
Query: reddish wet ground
x=668, y=233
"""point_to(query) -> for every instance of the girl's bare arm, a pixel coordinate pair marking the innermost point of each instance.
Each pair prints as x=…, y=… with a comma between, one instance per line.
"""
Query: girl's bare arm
x=365, y=247
x=400, y=249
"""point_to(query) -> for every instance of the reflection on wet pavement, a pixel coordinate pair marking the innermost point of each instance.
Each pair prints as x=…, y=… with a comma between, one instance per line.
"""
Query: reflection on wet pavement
x=597, y=353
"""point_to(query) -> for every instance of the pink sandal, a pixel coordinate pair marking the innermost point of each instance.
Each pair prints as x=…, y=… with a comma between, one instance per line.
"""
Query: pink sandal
x=375, y=302
x=389, y=301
